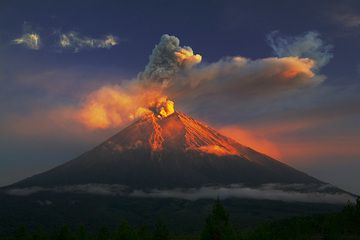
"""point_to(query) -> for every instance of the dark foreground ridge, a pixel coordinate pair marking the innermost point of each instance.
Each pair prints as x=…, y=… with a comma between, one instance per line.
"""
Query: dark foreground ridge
x=218, y=225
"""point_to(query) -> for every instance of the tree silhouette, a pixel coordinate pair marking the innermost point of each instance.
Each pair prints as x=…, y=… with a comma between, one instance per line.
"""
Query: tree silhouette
x=81, y=233
x=103, y=234
x=217, y=225
x=22, y=233
x=161, y=231
x=64, y=233
x=125, y=232
x=39, y=234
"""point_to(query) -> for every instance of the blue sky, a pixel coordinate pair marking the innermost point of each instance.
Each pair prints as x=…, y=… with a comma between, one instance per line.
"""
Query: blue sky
x=36, y=81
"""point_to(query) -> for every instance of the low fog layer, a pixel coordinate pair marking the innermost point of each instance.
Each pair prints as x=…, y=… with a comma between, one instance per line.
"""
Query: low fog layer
x=283, y=192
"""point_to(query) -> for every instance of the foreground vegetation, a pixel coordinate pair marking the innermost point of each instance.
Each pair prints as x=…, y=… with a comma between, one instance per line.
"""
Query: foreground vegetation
x=341, y=225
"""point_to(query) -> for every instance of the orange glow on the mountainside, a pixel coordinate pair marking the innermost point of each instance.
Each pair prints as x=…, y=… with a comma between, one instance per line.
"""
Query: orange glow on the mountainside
x=156, y=139
x=201, y=138
x=216, y=150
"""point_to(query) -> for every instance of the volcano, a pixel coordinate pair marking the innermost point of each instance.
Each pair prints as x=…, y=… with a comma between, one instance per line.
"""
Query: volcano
x=176, y=151
x=168, y=165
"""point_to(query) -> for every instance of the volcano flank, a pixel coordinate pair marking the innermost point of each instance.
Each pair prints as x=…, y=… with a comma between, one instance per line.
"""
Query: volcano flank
x=176, y=151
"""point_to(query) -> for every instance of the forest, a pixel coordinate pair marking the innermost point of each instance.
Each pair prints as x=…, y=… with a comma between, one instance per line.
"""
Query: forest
x=340, y=225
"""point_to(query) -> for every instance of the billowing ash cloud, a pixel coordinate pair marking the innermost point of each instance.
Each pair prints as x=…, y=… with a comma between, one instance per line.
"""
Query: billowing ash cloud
x=284, y=192
x=167, y=59
x=174, y=73
x=113, y=106
x=29, y=40
x=239, y=78
x=76, y=42
x=162, y=107
x=308, y=45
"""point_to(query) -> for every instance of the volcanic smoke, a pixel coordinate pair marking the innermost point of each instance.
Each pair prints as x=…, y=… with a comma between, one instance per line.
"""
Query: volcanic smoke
x=162, y=107
x=176, y=72
x=112, y=106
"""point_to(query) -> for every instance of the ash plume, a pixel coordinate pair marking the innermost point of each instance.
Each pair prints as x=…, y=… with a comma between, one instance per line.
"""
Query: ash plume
x=167, y=59
x=112, y=106
x=174, y=73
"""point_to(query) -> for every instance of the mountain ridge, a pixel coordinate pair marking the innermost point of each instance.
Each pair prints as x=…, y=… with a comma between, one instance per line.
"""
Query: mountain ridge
x=176, y=151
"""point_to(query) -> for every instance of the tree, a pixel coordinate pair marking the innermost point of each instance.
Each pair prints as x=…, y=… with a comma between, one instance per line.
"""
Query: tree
x=39, y=234
x=103, y=234
x=81, y=233
x=64, y=233
x=125, y=232
x=144, y=233
x=22, y=233
x=161, y=231
x=217, y=225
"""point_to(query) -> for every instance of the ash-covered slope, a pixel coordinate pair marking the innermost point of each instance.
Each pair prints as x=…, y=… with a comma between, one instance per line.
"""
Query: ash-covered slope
x=172, y=152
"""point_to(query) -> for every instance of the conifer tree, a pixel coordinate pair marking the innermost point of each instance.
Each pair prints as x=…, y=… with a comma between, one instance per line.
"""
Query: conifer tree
x=103, y=234
x=161, y=231
x=64, y=233
x=81, y=233
x=22, y=233
x=217, y=225
x=125, y=232
x=39, y=234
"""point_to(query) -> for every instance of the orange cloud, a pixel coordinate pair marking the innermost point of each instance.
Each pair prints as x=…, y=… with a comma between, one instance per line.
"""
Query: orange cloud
x=253, y=140
x=283, y=140
x=114, y=106
x=107, y=107
x=187, y=58
x=303, y=150
x=296, y=67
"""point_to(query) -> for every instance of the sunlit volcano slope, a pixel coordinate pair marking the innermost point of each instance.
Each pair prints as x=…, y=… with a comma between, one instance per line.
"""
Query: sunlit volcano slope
x=167, y=152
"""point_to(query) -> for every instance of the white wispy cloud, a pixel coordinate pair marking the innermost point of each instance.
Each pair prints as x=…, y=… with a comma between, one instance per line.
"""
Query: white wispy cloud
x=349, y=20
x=309, y=45
x=76, y=42
x=29, y=40
x=284, y=192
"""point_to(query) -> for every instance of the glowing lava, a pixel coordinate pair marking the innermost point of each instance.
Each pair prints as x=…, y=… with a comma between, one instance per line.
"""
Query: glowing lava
x=215, y=150
x=162, y=107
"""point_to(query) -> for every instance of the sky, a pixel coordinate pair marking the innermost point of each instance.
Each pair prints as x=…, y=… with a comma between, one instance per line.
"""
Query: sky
x=282, y=77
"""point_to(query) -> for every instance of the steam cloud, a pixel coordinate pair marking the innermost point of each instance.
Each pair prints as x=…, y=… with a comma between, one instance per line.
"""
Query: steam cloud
x=71, y=40
x=309, y=45
x=282, y=192
x=175, y=71
x=76, y=42
x=347, y=19
x=29, y=40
